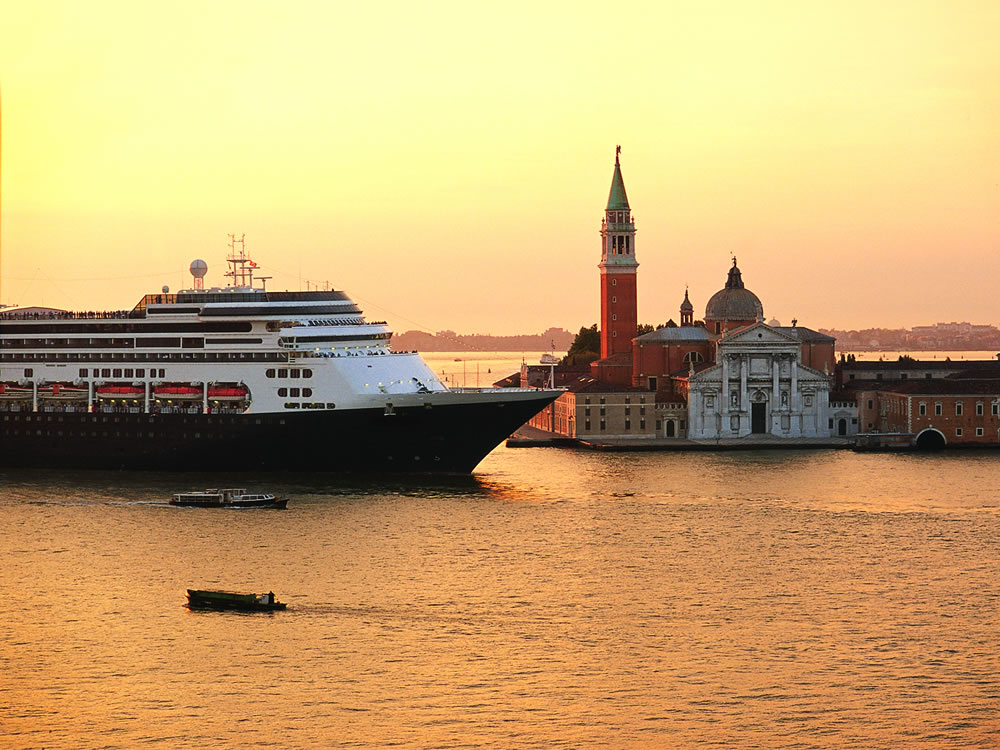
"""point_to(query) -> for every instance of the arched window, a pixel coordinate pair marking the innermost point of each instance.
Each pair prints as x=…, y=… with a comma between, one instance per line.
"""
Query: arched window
x=693, y=358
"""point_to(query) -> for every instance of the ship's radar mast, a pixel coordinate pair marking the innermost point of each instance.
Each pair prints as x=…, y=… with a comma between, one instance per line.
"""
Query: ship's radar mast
x=241, y=267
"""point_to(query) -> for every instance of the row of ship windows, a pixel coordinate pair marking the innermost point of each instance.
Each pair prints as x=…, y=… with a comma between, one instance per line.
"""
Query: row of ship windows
x=146, y=357
x=111, y=372
x=106, y=420
x=294, y=392
x=288, y=373
x=306, y=405
x=117, y=433
x=187, y=342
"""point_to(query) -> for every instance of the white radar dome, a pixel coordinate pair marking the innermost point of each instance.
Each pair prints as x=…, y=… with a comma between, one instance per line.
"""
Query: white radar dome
x=199, y=268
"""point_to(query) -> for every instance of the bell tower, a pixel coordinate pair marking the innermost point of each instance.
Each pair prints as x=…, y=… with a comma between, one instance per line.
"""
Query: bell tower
x=619, y=317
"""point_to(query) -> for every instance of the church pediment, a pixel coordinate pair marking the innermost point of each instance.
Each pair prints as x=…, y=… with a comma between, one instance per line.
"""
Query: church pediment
x=758, y=333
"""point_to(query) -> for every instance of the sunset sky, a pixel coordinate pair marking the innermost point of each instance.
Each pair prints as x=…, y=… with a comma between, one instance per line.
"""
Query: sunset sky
x=447, y=164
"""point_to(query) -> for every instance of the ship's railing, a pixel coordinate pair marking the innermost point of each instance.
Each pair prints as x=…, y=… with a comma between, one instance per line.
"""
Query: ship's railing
x=500, y=390
x=71, y=315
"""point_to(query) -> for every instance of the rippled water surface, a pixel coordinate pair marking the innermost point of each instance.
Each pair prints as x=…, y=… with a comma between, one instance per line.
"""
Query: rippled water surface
x=556, y=599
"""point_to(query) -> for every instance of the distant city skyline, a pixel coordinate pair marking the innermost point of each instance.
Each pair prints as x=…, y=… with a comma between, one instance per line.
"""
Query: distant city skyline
x=448, y=166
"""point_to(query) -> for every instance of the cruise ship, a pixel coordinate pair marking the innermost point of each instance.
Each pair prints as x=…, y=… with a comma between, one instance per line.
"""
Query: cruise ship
x=237, y=378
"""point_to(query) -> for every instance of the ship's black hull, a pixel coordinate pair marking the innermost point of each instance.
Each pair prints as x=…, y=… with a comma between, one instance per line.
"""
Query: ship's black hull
x=440, y=439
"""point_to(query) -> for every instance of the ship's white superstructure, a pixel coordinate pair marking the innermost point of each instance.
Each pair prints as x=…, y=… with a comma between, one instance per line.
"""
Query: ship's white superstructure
x=240, y=351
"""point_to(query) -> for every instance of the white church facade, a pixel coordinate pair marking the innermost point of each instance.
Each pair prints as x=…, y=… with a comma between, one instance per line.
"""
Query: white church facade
x=758, y=385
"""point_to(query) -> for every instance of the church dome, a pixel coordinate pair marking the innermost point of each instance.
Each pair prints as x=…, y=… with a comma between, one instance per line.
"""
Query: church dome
x=735, y=302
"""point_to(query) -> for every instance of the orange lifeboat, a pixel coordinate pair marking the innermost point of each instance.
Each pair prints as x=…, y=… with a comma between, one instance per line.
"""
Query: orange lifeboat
x=230, y=393
x=120, y=391
x=10, y=392
x=178, y=392
x=62, y=392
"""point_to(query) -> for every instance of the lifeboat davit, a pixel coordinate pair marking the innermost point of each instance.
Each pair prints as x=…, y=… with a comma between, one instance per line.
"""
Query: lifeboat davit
x=120, y=391
x=62, y=392
x=178, y=392
x=228, y=394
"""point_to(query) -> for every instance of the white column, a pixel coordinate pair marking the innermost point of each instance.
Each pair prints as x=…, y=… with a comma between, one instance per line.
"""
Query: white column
x=775, y=384
x=744, y=366
x=724, y=396
x=793, y=397
x=795, y=400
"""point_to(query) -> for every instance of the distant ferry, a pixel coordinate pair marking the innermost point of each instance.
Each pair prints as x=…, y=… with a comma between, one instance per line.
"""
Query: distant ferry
x=237, y=378
x=233, y=497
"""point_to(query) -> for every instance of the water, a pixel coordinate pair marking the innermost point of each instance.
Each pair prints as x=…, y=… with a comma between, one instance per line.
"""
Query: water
x=478, y=369
x=558, y=598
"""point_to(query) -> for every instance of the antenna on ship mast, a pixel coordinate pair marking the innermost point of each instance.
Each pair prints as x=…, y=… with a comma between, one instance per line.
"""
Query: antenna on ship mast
x=238, y=263
x=241, y=266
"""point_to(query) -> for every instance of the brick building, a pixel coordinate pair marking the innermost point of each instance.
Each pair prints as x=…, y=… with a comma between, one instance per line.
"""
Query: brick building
x=934, y=412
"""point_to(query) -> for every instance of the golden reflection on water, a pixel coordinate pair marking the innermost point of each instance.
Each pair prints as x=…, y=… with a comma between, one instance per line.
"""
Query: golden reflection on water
x=759, y=599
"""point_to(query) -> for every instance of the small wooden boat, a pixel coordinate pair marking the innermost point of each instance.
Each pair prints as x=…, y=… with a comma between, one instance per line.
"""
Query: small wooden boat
x=200, y=599
x=228, y=498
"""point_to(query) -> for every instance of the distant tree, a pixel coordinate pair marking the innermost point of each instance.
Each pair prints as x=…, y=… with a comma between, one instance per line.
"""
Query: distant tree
x=906, y=358
x=643, y=328
x=671, y=323
x=586, y=347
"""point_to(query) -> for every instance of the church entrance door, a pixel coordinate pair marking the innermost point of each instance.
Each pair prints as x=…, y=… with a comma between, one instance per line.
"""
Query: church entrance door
x=758, y=419
x=842, y=427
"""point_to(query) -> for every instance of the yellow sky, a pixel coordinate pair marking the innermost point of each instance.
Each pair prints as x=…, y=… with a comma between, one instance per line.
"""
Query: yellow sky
x=447, y=164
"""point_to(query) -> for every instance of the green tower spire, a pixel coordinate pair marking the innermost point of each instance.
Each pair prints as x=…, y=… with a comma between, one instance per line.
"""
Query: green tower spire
x=617, y=200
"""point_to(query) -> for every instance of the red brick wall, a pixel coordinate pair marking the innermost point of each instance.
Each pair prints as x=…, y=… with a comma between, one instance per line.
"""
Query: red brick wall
x=657, y=360
x=948, y=422
x=619, y=316
x=900, y=412
x=619, y=373
x=819, y=357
